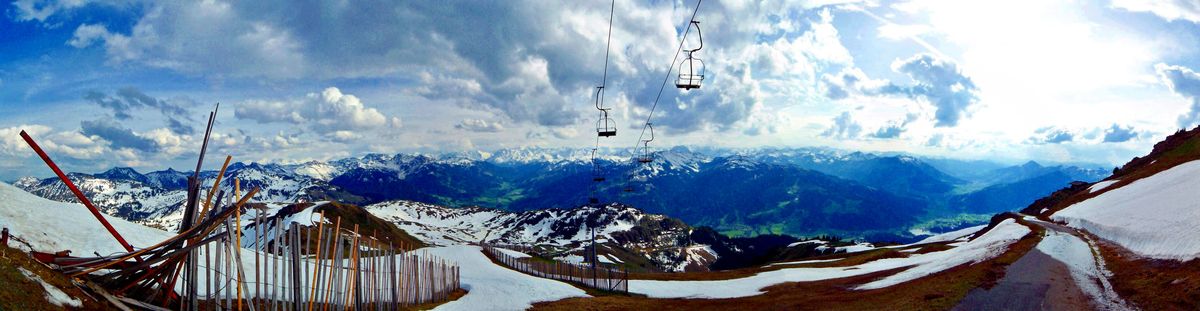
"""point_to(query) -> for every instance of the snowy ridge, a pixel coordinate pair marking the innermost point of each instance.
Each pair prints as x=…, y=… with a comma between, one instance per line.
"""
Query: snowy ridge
x=1155, y=216
x=663, y=242
x=443, y=225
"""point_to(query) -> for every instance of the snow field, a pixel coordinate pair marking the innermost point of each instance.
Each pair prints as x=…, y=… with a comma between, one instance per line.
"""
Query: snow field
x=492, y=287
x=1155, y=217
x=987, y=246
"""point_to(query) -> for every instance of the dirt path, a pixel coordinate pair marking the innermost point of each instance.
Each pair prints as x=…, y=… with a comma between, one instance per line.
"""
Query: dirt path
x=1061, y=273
x=1035, y=282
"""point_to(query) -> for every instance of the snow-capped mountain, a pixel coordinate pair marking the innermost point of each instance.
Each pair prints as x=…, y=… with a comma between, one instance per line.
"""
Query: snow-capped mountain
x=155, y=199
x=533, y=178
x=627, y=234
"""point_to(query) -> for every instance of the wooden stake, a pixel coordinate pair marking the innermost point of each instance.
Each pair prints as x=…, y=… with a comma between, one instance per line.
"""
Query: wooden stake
x=216, y=184
x=238, y=229
x=317, y=258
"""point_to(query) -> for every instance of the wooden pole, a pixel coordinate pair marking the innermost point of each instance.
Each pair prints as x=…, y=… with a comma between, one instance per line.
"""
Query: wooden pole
x=317, y=258
x=334, y=253
x=216, y=185
x=353, y=269
x=258, y=233
x=237, y=212
x=75, y=190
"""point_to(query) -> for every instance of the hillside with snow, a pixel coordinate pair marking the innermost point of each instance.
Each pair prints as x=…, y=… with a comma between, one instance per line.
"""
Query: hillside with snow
x=737, y=191
x=48, y=226
x=1156, y=216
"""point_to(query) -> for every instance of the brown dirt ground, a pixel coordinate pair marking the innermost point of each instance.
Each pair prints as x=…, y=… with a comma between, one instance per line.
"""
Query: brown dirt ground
x=1152, y=284
x=941, y=291
x=20, y=293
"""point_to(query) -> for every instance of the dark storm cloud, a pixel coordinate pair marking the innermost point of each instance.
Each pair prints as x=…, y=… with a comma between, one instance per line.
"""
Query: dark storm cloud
x=129, y=99
x=120, y=137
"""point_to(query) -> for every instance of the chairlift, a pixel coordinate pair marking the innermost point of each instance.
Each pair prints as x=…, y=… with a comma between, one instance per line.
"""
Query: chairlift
x=597, y=173
x=605, y=126
x=691, y=70
x=646, y=157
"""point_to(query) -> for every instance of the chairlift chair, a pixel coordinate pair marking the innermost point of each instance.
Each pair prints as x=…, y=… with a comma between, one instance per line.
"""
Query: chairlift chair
x=597, y=173
x=691, y=70
x=605, y=126
x=646, y=157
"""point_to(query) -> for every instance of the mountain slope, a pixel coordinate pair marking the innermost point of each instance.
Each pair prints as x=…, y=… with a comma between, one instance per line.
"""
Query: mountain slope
x=1011, y=196
x=1143, y=218
x=802, y=191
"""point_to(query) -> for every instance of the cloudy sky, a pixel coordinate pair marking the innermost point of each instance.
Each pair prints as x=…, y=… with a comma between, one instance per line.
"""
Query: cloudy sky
x=129, y=83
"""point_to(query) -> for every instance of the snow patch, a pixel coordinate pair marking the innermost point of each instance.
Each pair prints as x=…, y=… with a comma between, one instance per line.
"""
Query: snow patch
x=1101, y=185
x=987, y=246
x=512, y=253
x=807, y=242
x=952, y=235
x=1088, y=273
x=492, y=287
x=802, y=262
x=1154, y=217
x=54, y=295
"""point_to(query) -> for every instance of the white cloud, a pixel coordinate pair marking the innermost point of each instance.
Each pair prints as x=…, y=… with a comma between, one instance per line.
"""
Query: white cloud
x=1186, y=83
x=202, y=37
x=41, y=10
x=328, y=111
x=1167, y=9
x=68, y=144
x=844, y=127
x=87, y=34
x=478, y=125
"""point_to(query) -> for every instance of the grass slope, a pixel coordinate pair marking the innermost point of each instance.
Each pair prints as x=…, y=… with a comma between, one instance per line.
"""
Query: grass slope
x=20, y=293
x=940, y=291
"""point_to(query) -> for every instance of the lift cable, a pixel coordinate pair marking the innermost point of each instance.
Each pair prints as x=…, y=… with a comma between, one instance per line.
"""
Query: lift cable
x=666, y=78
x=597, y=174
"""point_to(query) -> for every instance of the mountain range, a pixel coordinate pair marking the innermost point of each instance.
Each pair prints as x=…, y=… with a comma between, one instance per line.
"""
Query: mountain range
x=798, y=191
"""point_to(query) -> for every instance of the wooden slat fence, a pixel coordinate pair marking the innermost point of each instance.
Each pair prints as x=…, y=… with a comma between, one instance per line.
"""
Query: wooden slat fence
x=287, y=267
x=602, y=278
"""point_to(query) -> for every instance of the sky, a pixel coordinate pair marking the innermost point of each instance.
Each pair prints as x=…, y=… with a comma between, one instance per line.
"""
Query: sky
x=130, y=83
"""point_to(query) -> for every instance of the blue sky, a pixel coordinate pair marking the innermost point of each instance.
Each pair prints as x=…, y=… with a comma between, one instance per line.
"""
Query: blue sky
x=128, y=83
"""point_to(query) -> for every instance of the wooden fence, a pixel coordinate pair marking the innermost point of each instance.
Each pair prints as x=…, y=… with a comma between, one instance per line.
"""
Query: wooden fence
x=327, y=267
x=603, y=278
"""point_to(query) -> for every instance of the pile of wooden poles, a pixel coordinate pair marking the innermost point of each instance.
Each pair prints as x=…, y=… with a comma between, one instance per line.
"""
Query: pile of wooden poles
x=204, y=265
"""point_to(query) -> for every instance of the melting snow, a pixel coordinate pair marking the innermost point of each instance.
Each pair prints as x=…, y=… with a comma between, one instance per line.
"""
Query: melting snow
x=1089, y=275
x=860, y=247
x=802, y=262
x=987, y=246
x=492, y=287
x=1101, y=185
x=54, y=295
x=1154, y=216
x=952, y=235
x=514, y=254
x=50, y=226
x=807, y=242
